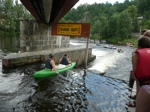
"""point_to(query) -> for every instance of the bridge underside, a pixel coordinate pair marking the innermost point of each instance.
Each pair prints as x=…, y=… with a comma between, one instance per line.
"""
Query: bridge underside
x=48, y=11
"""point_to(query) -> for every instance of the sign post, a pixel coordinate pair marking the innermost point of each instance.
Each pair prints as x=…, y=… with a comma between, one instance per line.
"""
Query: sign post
x=86, y=57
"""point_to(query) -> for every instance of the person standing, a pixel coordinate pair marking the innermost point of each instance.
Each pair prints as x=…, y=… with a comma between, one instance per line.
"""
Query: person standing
x=133, y=104
x=141, y=70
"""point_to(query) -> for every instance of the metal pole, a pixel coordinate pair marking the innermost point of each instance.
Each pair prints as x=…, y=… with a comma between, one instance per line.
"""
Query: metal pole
x=86, y=57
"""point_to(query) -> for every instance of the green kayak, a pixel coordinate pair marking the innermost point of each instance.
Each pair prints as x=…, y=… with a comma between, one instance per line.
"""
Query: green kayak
x=46, y=72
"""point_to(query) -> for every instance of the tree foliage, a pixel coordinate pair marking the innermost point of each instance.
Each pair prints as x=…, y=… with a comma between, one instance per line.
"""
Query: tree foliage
x=112, y=25
x=112, y=20
x=107, y=20
x=124, y=25
x=10, y=13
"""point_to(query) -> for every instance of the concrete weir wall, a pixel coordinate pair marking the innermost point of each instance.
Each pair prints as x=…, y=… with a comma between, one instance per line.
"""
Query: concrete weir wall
x=75, y=54
x=36, y=36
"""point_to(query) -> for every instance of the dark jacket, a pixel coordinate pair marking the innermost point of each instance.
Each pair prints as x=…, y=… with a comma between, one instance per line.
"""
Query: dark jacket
x=64, y=61
x=47, y=64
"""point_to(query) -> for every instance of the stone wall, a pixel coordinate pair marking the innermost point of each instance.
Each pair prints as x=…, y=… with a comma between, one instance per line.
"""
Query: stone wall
x=35, y=36
x=75, y=54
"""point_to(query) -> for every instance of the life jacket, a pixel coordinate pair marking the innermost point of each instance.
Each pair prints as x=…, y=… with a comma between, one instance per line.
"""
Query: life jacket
x=142, y=71
x=47, y=64
x=64, y=61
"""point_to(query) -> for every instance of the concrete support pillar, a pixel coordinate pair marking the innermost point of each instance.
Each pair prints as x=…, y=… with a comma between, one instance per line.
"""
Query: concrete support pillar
x=35, y=36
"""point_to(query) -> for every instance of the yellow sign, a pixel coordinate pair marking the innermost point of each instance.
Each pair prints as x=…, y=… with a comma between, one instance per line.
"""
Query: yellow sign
x=69, y=29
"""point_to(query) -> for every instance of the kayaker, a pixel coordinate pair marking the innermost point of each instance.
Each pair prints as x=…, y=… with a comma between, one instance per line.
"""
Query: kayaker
x=50, y=63
x=120, y=50
x=64, y=60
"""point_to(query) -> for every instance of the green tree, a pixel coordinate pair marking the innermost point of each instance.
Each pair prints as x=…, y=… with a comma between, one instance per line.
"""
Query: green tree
x=112, y=11
x=10, y=12
x=112, y=25
x=103, y=26
x=143, y=6
x=95, y=29
x=124, y=25
x=8, y=22
x=133, y=12
x=19, y=11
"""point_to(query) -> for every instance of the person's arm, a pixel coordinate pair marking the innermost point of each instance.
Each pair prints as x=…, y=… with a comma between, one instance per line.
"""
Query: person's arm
x=60, y=60
x=53, y=66
x=68, y=60
x=134, y=66
x=134, y=62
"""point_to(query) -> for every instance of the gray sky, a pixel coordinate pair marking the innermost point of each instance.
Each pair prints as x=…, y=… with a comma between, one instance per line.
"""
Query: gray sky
x=97, y=1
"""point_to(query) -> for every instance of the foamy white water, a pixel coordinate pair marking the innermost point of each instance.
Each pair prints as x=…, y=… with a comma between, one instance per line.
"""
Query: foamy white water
x=104, y=60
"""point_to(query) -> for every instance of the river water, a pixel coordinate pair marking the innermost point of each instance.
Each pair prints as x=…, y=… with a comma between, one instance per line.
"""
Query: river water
x=103, y=87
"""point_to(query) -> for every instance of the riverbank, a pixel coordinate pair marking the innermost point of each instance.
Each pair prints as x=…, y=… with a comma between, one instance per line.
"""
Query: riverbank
x=120, y=41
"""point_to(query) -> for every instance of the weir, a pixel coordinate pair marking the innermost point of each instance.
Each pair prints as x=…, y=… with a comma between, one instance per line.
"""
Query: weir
x=75, y=54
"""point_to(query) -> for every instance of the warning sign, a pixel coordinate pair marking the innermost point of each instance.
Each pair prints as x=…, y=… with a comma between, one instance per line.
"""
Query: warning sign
x=69, y=29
